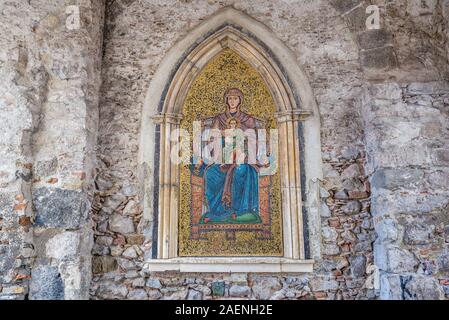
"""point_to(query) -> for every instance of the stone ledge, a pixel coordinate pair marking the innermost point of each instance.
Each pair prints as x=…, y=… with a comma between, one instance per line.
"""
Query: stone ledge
x=234, y=264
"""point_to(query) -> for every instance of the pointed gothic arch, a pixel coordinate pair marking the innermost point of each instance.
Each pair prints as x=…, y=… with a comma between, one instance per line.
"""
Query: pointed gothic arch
x=298, y=119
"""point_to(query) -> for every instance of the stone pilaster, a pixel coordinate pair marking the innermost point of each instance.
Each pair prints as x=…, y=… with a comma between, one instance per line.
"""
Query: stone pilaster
x=51, y=75
x=409, y=167
x=167, y=246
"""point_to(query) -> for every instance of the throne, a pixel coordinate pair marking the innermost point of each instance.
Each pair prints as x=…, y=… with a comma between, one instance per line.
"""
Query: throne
x=262, y=230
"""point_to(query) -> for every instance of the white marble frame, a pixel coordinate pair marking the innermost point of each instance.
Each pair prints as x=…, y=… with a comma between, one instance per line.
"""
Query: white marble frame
x=294, y=100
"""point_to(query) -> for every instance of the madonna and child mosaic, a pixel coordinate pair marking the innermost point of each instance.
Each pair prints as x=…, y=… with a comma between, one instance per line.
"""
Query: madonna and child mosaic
x=230, y=200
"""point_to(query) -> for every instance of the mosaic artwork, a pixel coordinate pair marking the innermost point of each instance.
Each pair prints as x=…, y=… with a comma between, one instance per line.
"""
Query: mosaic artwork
x=229, y=209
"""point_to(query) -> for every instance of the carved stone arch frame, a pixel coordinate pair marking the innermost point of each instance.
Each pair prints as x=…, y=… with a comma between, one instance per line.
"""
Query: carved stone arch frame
x=299, y=144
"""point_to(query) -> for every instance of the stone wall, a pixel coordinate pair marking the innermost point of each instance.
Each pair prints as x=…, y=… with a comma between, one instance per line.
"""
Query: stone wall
x=49, y=98
x=405, y=120
x=344, y=62
x=409, y=160
x=383, y=97
x=132, y=55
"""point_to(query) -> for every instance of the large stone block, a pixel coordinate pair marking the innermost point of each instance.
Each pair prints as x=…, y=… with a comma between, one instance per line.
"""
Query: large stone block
x=350, y=153
x=397, y=178
x=10, y=297
x=179, y=294
x=410, y=287
x=371, y=39
x=391, y=202
x=112, y=291
x=358, y=266
x=394, y=259
x=322, y=283
x=385, y=91
x=441, y=157
x=390, y=287
x=46, y=168
x=153, y=283
x=344, y=6
x=330, y=249
x=443, y=262
x=264, y=287
x=46, y=284
x=130, y=253
x=418, y=8
x=325, y=212
x=352, y=207
x=8, y=254
x=354, y=185
x=121, y=224
x=378, y=58
x=418, y=287
x=387, y=230
x=363, y=246
x=356, y=19
x=422, y=88
x=64, y=246
x=58, y=208
x=194, y=295
x=417, y=233
x=126, y=264
x=446, y=232
x=329, y=234
x=239, y=291
x=154, y=294
x=352, y=172
x=138, y=294
x=77, y=278
x=103, y=264
x=218, y=288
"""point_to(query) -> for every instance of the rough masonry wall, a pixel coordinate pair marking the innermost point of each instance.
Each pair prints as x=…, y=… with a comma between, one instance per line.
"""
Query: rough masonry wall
x=405, y=119
x=137, y=36
x=383, y=97
x=410, y=187
x=48, y=100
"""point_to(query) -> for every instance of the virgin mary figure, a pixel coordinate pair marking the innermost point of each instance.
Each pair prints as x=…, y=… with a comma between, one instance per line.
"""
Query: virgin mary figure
x=231, y=191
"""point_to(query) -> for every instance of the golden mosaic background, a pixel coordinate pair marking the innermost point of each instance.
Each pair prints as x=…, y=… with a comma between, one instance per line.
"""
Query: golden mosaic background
x=205, y=99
